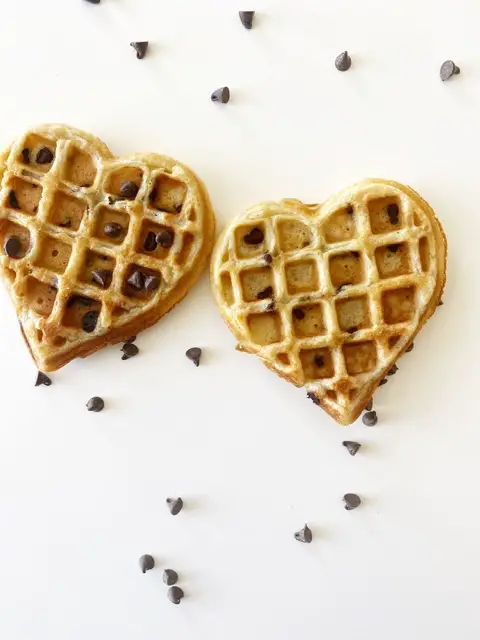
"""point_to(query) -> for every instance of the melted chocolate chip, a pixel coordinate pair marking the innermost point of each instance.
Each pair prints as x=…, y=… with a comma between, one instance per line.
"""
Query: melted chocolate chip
x=370, y=418
x=246, y=18
x=165, y=238
x=221, y=95
x=448, y=69
x=343, y=62
x=266, y=293
x=350, y=209
x=129, y=350
x=170, y=577
x=392, y=212
x=299, y=314
x=137, y=280
x=44, y=156
x=140, y=48
x=150, y=243
x=175, y=505
x=254, y=236
x=12, y=200
x=89, y=321
x=351, y=447
x=304, y=535
x=194, y=354
x=311, y=396
x=352, y=501
x=319, y=361
x=102, y=277
x=43, y=379
x=13, y=247
x=146, y=563
x=26, y=156
x=152, y=283
x=95, y=404
x=129, y=189
x=112, y=229
x=175, y=594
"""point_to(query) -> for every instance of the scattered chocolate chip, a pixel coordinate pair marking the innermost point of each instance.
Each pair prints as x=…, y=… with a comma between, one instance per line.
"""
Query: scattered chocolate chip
x=370, y=418
x=165, y=238
x=152, y=283
x=311, y=396
x=268, y=258
x=43, y=379
x=137, y=280
x=410, y=347
x=89, y=321
x=246, y=18
x=343, y=62
x=448, y=69
x=393, y=370
x=350, y=210
x=440, y=304
x=26, y=156
x=13, y=246
x=146, y=563
x=392, y=212
x=352, y=329
x=221, y=95
x=44, y=156
x=175, y=594
x=382, y=382
x=129, y=350
x=304, y=535
x=129, y=189
x=66, y=223
x=112, y=229
x=130, y=340
x=369, y=406
x=150, y=243
x=254, y=236
x=351, y=447
x=194, y=354
x=319, y=361
x=175, y=505
x=103, y=277
x=352, y=501
x=266, y=293
x=153, y=194
x=95, y=404
x=270, y=306
x=140, y=48
x=393, y=248
x=12, y=200
x=299, y=314
x=170, y=577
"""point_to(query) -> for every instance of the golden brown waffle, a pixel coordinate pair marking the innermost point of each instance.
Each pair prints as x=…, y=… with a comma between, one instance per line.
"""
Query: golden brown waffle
x=85, y=269
x=329, y=296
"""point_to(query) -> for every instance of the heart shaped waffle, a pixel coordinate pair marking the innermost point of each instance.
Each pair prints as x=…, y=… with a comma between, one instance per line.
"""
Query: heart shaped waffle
x=329, y=296
x=95, y=248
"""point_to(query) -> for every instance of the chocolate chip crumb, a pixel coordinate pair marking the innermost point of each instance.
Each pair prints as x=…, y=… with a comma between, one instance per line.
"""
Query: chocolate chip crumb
x=165, y=238
x=150, y=243
x=43, y=379
x=319, y=361
x=343, y=62
x=392, y=212
x=352, y=501
x=102, y=277
x=95, y=404
x=129, y=189
x=152, y=283
x=112, y=229
x=175, y=594
x=89, y=321
x=410, y=347
x=266, y=293
x=351, y=447
x=369, y=406
x=175, y=505
x=268, y=258
x=299, y=314
x=13, y=246
x=304, y=535
x=146, y=563
x=44, y=156
x=140, y=48
x=12, y=200
x=311, y=396
x=170, y=577
x=370, y=418
x=393, y=370
x=246, y=18
x=254, y=236
x=129, y=350
x=137, y=280
x=194, y=354
x=448, y=69
x=221, y=95
x=26, y=156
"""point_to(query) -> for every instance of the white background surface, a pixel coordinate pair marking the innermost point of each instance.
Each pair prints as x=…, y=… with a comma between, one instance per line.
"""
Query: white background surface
x=82, y=495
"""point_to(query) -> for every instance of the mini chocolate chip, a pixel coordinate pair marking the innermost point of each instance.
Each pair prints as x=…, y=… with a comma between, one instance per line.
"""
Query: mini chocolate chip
x=150, y=243
x=89, y=321
x=382, y=382
x=221, y=95
x=95, y=404
x=153, y=194
x=152, y=283
x=351, y=447
x=393, y=248
x=246, y=18
x=112, y=229
x=254, y=236
x=175, y=594
x=44, y=156
x=392, y=212
x=410, y=347
x=43, y=379
x=170, y=577
x=103, y=277
x=129, y=350
x=298, y=313
x=146, y=563
x=352, y=501
x=194, y=354
x=12, y=200
x=370, y=418
x=130, y=340
x=311, y=396
x=369, y=406
x=304, y=535
x=319, y=361
x=393, y=370
x=165, y=238
x=26, y=156
x=350, y=210
x=13, y=246
x=65, y=223
x=440, y=304
x=129, y=189
x=343, y=62
x=137, y=280
x=448, y=69
x=175, y=505
x=140, y=48
x=268, y=258
x=266, y=293
x=352, y=329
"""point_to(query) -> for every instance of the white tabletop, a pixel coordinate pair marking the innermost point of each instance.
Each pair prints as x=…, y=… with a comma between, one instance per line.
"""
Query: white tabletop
x=82, y=495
